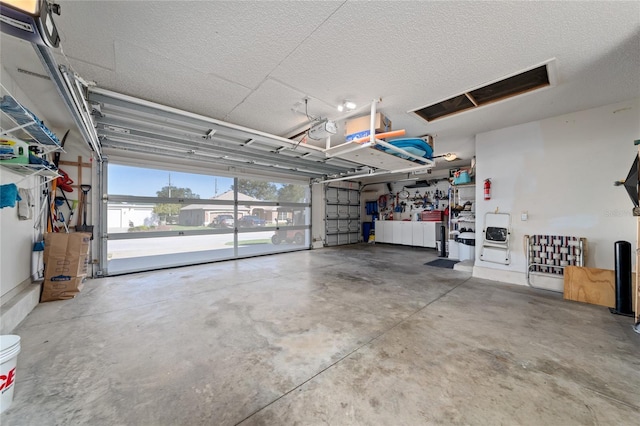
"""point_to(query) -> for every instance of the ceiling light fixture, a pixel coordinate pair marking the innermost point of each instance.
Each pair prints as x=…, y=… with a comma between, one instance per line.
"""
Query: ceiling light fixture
x=347, y=105
x=449, y=156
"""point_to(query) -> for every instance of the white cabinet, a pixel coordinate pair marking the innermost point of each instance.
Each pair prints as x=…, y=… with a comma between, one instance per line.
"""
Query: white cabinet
x=430, y=233
x=380, y=230
x=418, y=230
x=396, y=233
x=406, y=234
x=417, y=234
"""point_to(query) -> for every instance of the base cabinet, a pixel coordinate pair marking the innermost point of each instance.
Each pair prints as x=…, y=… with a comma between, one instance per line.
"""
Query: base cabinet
x=381, y=231
x=418, y=231
x=417, y=234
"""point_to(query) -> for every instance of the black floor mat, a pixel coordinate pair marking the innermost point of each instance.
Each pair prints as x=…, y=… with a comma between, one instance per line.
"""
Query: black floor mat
x=442, y=263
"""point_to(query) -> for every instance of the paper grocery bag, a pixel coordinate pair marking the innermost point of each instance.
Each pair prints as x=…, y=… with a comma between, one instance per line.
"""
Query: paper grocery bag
x=61, y=290
x=66, y=259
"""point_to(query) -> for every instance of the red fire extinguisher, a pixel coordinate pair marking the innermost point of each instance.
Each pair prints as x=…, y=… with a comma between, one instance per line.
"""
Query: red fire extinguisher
x=487, y=189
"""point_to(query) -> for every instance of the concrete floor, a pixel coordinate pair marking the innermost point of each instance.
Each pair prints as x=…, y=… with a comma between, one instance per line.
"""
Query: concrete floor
x=362, y=334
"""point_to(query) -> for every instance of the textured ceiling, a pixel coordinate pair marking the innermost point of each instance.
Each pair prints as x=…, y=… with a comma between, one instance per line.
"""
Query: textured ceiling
x=249, y=62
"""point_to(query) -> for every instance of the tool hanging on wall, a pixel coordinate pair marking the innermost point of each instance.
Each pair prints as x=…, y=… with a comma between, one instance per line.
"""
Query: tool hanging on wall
x=71, y=205
x=64, y=182
x=58, y=219
x=83, y=208
x=54, y=183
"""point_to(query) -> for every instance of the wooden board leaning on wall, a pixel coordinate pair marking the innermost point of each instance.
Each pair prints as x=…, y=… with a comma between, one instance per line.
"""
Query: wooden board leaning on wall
x=594, y=286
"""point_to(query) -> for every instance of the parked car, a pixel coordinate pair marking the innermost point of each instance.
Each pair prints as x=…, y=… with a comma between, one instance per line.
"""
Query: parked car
x=223, y=221
x=248, y=221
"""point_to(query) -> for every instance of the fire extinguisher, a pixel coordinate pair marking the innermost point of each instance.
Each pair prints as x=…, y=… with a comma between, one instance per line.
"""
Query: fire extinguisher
x=487, y=189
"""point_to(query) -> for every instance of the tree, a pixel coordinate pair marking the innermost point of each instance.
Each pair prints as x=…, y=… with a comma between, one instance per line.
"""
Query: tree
x=292, y=193
x=166, y=210
x=257, y=189
x=171, y=191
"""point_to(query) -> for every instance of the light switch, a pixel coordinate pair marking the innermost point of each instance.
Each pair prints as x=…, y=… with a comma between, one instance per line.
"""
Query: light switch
x=524, y=216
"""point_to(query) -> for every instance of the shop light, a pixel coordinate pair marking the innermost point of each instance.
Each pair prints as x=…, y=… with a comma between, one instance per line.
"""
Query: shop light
x=449, y=156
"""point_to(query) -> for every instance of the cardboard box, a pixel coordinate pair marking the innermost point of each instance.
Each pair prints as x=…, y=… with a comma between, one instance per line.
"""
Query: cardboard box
x=356, y=127
x=66, y=259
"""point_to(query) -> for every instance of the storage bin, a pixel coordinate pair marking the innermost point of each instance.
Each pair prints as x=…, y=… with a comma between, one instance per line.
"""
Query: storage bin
x=461, y=177
x=366, y=228
x=431, y=216
x=467, y=246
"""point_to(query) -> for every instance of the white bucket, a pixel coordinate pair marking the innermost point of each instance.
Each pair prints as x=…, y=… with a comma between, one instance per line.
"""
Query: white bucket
x=9, y=350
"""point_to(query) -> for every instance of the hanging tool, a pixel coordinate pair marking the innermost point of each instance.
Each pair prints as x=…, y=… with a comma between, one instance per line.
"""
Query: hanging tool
x=84, y=227
x=64, y=182
x=54, y=183
x=58, y=216
x=70, y=205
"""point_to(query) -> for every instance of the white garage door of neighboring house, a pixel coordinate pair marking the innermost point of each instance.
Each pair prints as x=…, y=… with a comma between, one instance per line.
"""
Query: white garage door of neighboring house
x=157, y=218
x=114, y=218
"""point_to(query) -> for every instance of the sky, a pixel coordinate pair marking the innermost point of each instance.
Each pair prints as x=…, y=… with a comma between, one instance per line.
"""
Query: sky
x=126, y=180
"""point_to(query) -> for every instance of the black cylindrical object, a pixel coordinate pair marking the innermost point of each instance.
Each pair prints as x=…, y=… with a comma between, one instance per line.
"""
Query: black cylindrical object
x=443, y=241
x=623, y=277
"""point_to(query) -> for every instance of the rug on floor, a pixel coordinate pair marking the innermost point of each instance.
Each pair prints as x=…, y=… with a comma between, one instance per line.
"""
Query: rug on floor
x=442, y=263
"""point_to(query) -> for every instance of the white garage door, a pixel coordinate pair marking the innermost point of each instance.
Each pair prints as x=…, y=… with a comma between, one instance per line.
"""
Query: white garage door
x=342, y=221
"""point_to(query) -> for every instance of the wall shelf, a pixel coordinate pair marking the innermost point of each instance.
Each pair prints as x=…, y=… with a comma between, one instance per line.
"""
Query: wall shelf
x=28, y=170
x=26, y=122
x=459, y=195
x=20, y=123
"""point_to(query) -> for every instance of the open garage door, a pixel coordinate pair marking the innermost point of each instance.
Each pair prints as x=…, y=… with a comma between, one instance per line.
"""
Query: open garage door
x=159, y=218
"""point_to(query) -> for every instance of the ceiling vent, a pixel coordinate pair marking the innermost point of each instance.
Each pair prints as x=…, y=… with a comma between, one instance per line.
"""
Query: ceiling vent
x=518, y=84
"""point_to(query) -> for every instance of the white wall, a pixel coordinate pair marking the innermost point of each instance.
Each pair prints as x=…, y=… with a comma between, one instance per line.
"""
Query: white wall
x=16, y=239
x=16, y=236
x=561, y=172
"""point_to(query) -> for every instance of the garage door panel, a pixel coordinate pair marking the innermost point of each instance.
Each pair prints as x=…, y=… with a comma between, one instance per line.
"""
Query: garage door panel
x=342, y=221
x=157, y=218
